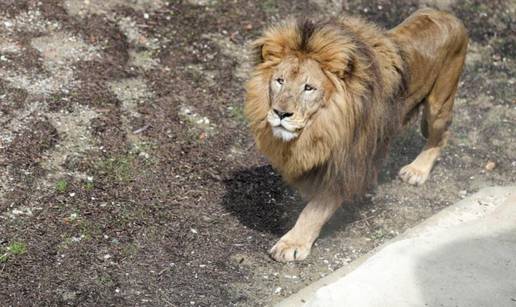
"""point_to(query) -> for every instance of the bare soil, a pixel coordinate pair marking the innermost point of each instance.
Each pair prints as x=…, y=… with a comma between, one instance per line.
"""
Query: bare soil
x=128, y=176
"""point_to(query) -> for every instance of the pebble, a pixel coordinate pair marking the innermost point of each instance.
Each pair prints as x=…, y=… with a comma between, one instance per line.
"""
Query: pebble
x=206, y=219
x=144, y=155
x=490, y=166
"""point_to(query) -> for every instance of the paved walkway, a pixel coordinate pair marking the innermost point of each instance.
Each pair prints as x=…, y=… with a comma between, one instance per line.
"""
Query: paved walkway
x=463, y=256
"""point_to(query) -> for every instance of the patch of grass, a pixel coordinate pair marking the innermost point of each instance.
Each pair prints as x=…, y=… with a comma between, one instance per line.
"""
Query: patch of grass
x=379, y=234
x=105, y=280
x=129, y=250
x=17, y=248
x=61, y=185
x=269, y=6
x=61, y=247
x=89, y=229
x=13, y=249
x=124, y=167
x=237, y=112
x=119, y=167
x=89, y=186
x=138, y=147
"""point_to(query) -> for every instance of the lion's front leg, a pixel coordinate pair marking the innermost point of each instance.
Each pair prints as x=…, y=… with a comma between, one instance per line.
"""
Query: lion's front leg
x=296, y=244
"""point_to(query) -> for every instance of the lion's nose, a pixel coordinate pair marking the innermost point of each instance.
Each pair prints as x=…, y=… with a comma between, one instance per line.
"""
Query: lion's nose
x=282, y=114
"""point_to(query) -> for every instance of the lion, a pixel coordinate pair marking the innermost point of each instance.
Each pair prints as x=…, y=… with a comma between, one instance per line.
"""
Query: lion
x=325, y=98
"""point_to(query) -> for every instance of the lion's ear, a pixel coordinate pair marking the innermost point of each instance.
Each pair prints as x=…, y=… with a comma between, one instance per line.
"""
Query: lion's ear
x=344, y=69
x=350, y=68
x=257, y=49
x=265, y=50
x=338, y=62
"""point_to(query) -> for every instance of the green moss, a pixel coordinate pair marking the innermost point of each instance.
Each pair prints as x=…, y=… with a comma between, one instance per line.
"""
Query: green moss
x=61, y=185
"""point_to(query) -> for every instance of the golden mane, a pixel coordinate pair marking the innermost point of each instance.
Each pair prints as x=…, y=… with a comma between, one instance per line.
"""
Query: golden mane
x=341, y=148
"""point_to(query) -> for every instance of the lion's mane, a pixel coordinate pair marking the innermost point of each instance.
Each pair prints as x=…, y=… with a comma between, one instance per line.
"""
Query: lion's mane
x=341, y=149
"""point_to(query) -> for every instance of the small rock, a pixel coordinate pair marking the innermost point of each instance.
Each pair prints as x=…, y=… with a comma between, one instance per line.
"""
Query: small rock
x=69, y=296
x=206, y=219
x=77, y=239
x=490, y=165
x=144, y=155
x=239, y=259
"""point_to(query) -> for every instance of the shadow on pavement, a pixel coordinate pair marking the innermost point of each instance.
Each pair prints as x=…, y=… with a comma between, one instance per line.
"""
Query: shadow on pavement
x=479, y=271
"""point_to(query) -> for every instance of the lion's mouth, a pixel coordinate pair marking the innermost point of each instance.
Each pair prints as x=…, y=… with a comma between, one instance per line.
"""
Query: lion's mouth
x=283, y=133
x=282, y=129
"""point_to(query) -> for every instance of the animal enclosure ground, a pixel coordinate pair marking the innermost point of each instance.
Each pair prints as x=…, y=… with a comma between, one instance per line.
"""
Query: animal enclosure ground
x=128, y=175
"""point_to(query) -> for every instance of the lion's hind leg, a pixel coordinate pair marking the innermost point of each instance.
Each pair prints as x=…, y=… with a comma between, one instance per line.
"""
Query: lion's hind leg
x=437, y=116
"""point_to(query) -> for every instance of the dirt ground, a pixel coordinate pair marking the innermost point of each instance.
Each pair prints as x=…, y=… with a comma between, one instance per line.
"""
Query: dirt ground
x=128, y=176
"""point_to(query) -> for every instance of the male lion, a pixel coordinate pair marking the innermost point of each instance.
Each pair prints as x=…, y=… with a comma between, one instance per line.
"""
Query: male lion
x=325, y=98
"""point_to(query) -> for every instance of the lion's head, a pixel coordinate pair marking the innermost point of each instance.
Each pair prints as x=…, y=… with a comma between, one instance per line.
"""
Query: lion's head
x=313, y=101
x=297, y=91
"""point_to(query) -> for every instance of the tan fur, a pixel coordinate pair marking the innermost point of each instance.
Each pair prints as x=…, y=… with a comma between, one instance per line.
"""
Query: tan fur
x=370, y=81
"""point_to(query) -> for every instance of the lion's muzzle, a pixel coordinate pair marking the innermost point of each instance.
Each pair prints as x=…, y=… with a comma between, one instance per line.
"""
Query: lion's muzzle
x=282, y=126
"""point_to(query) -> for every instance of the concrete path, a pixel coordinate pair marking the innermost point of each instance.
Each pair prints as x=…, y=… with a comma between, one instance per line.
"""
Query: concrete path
x=463, y=256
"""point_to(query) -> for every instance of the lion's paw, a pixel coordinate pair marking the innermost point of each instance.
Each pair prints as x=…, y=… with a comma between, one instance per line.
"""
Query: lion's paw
x=412, y=175
x=287, y=250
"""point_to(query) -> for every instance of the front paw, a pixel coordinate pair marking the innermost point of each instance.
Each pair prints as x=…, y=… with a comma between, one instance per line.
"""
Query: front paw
x=412, y=175
x=290, y=250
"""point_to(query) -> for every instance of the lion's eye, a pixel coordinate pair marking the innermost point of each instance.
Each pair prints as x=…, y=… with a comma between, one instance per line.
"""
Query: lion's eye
x=309, y=88
x=280, y=81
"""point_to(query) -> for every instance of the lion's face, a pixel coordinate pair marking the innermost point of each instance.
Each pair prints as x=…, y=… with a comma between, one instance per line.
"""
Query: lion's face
x=297, y=90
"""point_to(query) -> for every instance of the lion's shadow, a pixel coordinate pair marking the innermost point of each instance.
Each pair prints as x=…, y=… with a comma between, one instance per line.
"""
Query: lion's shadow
x=261, y=201
x=402, y=150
